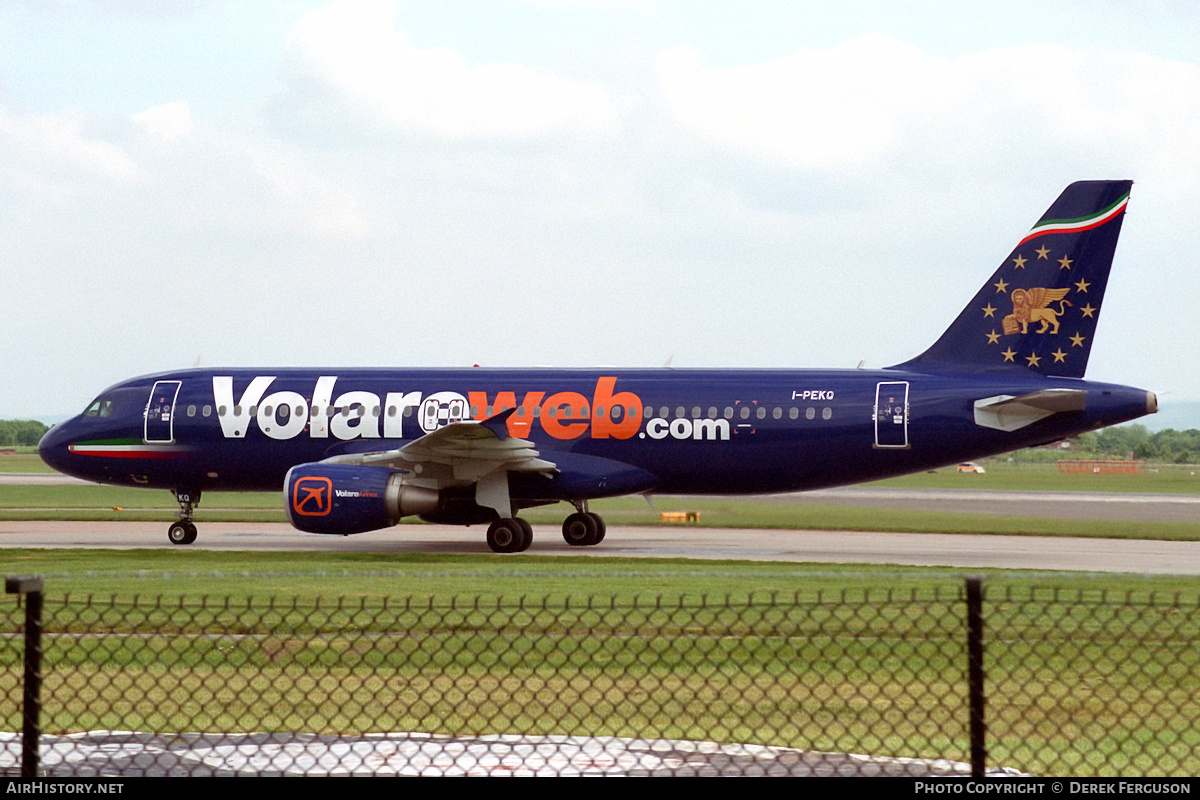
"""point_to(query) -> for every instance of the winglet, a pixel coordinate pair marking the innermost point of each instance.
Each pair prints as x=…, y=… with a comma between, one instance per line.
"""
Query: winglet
x=1039, y=310
x=498, y=424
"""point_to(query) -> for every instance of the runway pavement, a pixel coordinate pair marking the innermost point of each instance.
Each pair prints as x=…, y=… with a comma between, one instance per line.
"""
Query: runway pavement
x=913, y=550
x=841, y=547
x=1124, y=506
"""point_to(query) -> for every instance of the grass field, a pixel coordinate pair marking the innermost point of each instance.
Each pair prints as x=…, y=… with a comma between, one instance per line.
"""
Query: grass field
x=1083, y=679
x=1112, y=692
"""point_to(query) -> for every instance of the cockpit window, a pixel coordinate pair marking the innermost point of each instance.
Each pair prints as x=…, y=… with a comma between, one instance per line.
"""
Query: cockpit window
x=102, y=409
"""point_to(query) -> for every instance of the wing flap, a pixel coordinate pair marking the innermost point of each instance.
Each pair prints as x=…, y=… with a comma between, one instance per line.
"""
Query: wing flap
x=458, y=454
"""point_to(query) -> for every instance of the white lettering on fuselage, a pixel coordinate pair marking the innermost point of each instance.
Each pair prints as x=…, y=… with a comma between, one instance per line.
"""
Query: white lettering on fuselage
x=813, y=394
x=286, y=414
x=706, y=429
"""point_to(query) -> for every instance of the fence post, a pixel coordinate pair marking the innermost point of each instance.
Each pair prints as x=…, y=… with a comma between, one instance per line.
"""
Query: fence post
x=31, y=707
x=975, y=676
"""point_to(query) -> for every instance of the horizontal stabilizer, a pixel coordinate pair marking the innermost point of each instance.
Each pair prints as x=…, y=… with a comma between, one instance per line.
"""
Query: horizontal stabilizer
x=1007, y=413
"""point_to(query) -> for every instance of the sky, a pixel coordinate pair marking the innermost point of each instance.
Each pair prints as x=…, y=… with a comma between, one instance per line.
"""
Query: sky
x=573, y=183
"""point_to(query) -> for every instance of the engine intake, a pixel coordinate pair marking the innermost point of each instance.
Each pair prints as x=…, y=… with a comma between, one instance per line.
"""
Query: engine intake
x=342, y=499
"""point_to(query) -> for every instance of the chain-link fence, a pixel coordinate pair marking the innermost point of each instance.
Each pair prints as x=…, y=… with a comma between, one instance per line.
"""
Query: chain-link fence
x=1064, y=683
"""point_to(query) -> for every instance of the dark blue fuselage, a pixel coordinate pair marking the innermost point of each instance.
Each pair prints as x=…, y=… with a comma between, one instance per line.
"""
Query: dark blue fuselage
x=678, y=431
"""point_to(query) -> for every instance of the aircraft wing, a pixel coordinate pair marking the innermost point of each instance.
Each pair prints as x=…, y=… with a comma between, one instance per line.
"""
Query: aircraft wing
x=458, y=454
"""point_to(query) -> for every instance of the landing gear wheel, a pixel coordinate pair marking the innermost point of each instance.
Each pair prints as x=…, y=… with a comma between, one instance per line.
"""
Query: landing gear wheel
x=182, y=533
x=580, y=530
x=507, y=536
x=526, y=529
x=601, y=528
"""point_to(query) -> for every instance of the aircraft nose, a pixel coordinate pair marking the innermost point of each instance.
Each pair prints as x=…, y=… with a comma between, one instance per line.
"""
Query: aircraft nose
x=53, y=447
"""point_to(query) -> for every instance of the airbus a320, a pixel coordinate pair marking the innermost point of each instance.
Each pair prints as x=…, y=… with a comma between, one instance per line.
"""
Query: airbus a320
x=356, y=450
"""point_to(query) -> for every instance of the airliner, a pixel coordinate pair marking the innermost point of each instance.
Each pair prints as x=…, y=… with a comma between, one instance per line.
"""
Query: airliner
x=356, y=450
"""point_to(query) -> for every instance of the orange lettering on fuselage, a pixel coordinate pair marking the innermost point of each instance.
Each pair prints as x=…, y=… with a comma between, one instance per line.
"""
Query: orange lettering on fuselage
x=567, y=415
x=559, y=415
x=520, y=423
x=604, y=425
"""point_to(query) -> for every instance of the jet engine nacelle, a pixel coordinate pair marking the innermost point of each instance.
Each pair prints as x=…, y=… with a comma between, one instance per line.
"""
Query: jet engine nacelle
x=345, y=498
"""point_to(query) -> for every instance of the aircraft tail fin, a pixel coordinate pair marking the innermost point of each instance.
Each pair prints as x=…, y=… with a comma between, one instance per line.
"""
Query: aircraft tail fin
x=1039, y=310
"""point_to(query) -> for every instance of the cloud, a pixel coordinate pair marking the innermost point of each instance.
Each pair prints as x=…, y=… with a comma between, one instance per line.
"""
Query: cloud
x=875, y=102
x=52, y=149
x=313, y=203
x=171, y=121
x=353, y=54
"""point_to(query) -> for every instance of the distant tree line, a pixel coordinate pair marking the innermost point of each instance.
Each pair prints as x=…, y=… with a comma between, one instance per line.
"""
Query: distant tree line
x=1135, y=442
x=21, y=432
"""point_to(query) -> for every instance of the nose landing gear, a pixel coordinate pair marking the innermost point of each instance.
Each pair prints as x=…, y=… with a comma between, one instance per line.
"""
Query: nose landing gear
x=184, y=531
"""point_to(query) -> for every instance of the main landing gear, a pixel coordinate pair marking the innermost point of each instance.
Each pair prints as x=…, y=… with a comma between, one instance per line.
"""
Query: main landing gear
x=581, y=529
x=510, y=535
x=184, y=531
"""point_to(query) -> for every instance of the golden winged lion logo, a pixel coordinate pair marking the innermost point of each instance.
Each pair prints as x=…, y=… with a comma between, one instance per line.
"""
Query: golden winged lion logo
x=1033, y=305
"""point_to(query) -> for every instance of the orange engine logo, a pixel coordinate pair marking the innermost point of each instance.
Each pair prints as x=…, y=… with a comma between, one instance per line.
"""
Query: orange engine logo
x=312, y=496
